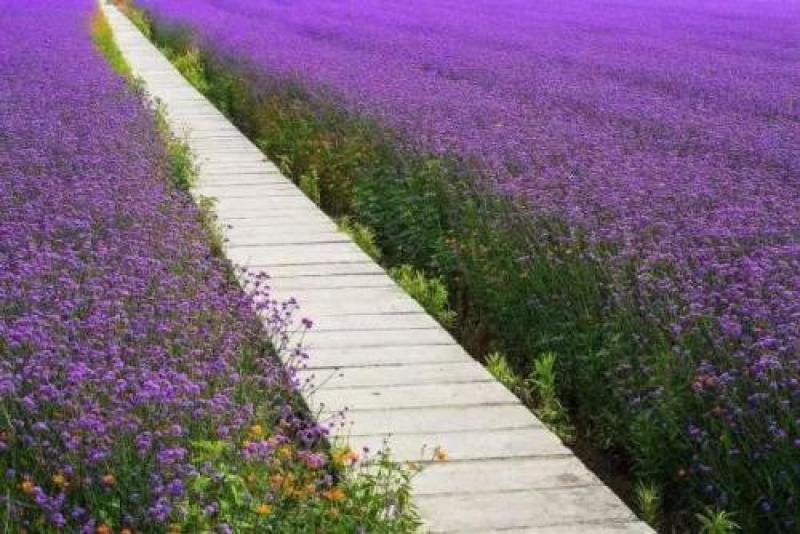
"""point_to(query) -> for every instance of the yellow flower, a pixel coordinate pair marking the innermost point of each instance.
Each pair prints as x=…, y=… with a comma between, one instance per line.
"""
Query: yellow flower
x=174, y=529
x=263, y=509
x=60, y=480
x=256, y=431
x=439, y=454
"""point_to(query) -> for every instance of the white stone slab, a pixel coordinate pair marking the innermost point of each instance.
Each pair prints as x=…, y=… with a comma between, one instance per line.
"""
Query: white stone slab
x=414, y=396
x=460, y=446
x=401, y=375
x=503, y=475
x=390, y=356
x=571, y=508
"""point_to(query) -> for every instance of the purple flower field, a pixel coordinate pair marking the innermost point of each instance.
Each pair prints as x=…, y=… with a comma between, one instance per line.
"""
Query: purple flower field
x=671, y=127
x=130, y=364
x=666, y=133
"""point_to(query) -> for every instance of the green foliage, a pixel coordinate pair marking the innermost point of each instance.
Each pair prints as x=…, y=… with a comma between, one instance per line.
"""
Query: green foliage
x=181, y=167
x=543, y=377
x=363, y=236
x=189, y=64
x=430, y=292
x=542, y=382
x=309, y=185
x=136, y=16
x=104, y=41
x=497, y=364
x=182, y=173
x=713, y=521
x=648, y=497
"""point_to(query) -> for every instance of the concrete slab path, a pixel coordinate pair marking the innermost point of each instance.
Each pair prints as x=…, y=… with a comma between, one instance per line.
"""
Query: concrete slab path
x=374, y=350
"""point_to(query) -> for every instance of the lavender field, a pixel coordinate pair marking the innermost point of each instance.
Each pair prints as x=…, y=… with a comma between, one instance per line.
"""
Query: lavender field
x=138, y=390
x=663, y=135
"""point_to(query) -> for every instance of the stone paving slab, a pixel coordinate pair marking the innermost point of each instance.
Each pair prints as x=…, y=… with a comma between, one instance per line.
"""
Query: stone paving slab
x=354, y=357
x=473, y=445
x=413, y=396
x=375, y=354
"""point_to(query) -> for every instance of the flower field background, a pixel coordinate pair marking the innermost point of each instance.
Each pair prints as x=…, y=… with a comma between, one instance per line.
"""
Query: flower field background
x=616, y=184
x=139, y=391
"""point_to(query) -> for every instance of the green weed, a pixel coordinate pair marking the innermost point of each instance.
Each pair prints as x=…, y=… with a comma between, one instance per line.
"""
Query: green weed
x=648, y=497
x=363, y=236
x=309, y=185
x=498, y=366
x=713, y=521
x=189, y=64
x=103, y=38
x=430, y=292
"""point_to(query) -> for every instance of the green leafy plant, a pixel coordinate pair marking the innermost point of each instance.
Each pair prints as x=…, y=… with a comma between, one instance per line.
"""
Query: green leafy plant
x=190, y=65
x=498, y=366
x=648, y=497
x=103, y=39
x=309, y=184
x=547, y=406
x=430, y=292
x=363, y=236
x=714, y=521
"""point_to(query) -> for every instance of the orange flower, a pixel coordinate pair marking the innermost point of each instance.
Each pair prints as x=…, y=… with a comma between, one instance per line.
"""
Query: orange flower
x=263, y=509
x=126, y=531
x=276, y=480
x=27, y=486
x=304, y=492
x=109, y=479
x=103, y=529
x=345, y=456
x=334, y=494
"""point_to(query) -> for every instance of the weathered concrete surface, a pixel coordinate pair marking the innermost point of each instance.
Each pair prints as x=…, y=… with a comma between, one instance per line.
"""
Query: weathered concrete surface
x=375, y=353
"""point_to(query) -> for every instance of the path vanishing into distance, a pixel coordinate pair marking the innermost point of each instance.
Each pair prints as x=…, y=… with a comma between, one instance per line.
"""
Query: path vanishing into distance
x=374, y=350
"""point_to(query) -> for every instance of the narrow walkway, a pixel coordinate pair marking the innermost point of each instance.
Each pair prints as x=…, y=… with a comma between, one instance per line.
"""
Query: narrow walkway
x=377, y=353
